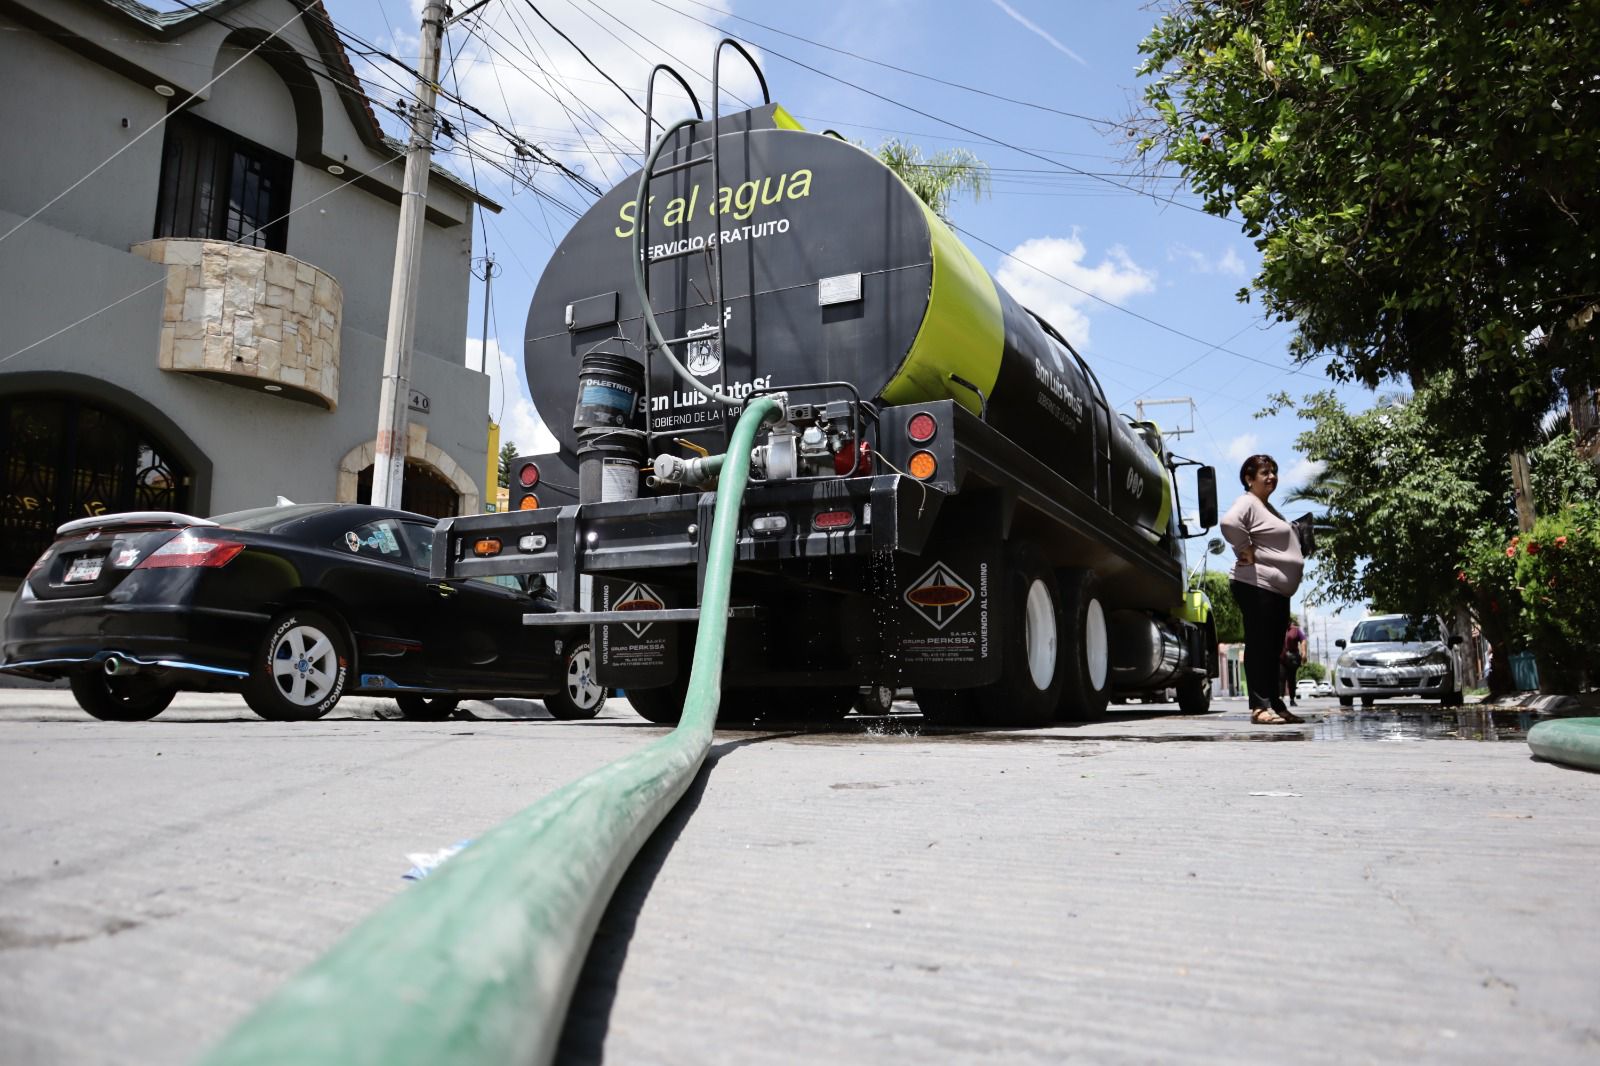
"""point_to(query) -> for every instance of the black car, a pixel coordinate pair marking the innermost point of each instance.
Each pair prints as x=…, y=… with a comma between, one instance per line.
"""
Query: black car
x=292, y=606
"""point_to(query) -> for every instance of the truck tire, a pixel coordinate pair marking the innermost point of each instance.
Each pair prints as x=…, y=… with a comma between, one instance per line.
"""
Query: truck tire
x=1086, y=656
x=801, y=705
x=1031, y=641
x=1194, y=695
x=664, y=705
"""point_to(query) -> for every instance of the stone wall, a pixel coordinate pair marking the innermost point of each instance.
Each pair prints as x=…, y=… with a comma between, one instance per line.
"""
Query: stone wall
x=249, y=317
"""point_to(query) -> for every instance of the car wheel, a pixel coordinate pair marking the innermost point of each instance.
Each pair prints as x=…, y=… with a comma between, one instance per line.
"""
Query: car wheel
x=300, y=668
x=120, y=699
x=875, y=700
x=1346, y=701
x=579, y=696
x=1367, y=702
x=427, y=708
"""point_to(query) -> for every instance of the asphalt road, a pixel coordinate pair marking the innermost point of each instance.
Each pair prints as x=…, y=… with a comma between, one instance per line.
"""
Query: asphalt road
x=1370, y=887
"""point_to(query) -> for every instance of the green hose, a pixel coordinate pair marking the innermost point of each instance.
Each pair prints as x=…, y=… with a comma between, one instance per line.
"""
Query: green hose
x=1573, y=741
x=477, y=963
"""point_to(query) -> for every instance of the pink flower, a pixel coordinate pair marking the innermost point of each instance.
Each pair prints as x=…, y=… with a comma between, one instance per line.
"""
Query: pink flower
x=1561, y=542
x=1461, y=576
x=1511, y=552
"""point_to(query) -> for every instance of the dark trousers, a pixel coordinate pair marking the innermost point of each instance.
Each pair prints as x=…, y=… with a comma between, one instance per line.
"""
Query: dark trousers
x=1266, y=620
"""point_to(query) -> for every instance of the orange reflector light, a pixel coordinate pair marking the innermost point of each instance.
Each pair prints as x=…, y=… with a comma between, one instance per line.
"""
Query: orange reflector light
x=486, y=546
x=923, y=466
x=921, y=428
x=833, y=520
x=528, y=475
x=530, y=502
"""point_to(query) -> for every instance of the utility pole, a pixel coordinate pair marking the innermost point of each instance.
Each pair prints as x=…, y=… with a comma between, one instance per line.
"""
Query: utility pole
x=1522, y=486
x=389, y=464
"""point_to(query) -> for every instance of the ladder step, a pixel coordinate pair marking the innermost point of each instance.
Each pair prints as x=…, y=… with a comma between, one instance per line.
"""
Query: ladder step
x=673, y=168
x=601, y=618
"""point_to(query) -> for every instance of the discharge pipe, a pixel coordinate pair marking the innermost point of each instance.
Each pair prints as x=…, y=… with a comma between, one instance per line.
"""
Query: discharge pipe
x=476, y=964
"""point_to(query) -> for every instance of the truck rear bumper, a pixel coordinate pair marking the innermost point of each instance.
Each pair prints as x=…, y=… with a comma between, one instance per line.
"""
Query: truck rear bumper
x=791, y=520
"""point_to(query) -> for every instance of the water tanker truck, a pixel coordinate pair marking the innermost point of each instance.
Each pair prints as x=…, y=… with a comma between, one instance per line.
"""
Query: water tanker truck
x=947, y=503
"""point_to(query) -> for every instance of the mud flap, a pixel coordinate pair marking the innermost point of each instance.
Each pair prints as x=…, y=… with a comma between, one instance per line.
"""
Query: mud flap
x=948, y=600
x=635, y=656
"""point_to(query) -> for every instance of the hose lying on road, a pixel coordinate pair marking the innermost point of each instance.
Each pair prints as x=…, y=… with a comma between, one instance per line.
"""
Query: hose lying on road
x=1574, y=741
x=477, y=963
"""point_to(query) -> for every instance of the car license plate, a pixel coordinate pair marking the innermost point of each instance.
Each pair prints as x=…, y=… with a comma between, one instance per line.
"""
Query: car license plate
x=84, y=568
x=1387, y=677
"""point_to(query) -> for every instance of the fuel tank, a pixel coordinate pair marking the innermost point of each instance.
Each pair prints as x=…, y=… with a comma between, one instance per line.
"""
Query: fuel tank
x=832, y=270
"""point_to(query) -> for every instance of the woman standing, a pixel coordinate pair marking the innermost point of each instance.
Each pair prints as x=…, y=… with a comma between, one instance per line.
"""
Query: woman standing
x=1265, y=574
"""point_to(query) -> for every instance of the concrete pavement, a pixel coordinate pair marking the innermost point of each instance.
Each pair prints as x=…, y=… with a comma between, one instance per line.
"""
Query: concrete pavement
x=1130, y=890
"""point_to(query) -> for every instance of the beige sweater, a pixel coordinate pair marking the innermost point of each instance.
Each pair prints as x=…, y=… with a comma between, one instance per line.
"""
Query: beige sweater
x=1279, y=565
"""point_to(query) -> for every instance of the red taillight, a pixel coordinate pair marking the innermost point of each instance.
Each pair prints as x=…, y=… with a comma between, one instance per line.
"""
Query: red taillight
x=833, y=520
x=921, y=428
x=528, y=475
x=186, y=549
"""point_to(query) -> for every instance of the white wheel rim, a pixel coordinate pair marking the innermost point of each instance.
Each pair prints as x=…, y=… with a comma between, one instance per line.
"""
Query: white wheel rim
x=304, y=665
x=1095, y=655
x=581, y=689
x=1039, y=635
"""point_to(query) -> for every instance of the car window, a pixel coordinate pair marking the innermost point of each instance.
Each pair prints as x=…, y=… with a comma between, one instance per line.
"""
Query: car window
x=419, y=543
x=1410, y=630
x=378, y=539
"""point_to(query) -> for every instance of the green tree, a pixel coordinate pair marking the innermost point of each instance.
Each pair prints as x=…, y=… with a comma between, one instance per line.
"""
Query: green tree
x=938, y=179
x=508, y=452
x=1224, y=611
x=1313, y=670
x=1421, y=180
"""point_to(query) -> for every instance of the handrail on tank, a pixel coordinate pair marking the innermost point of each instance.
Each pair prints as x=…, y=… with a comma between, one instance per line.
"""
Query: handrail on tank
x=650, y=95
x=716, y=184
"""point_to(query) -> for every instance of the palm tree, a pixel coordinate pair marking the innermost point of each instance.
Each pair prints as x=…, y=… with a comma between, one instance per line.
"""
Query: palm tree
x=938, y=179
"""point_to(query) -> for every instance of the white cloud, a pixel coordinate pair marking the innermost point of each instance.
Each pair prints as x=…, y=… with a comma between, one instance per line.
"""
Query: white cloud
x=1116, y=277
x=1242, y=447
x=1300, y=473
x=1199, y=262
x=520, y=423
x=1039, y=31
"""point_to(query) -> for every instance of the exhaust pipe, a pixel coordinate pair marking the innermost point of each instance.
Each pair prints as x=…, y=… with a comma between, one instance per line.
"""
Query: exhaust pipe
x=116, y=667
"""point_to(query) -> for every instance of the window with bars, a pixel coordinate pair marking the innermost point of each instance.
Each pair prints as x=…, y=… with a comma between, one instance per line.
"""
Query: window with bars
x=217, y=185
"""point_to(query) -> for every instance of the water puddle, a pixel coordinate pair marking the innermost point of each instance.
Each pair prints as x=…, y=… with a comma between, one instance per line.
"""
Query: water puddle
x=1396, y=725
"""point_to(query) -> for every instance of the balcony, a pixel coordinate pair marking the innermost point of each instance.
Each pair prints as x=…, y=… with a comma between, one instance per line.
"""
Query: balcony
x=249, y=317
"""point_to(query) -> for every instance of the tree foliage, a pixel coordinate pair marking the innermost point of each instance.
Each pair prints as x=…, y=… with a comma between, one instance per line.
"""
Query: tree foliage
x=1421, y=180
x=508, y=452
x=1224, y=610
x=938, y=179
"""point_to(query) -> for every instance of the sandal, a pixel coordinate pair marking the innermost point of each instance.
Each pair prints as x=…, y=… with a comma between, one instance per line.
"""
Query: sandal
x=1285, y=714
x=1267, y=716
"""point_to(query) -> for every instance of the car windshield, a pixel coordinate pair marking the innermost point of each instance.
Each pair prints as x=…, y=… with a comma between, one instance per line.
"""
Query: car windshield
x=1395, y=630
x=262, y=518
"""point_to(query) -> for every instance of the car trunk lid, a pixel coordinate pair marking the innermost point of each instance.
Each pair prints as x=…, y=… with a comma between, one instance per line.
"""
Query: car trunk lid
x=91, y=556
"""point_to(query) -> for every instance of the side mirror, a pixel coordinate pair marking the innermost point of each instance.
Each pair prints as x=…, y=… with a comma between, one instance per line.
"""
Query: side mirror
x=1339, y=643
x=1206, y=483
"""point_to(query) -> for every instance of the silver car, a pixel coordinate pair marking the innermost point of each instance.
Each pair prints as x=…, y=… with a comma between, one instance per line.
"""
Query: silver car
x=1398, y=655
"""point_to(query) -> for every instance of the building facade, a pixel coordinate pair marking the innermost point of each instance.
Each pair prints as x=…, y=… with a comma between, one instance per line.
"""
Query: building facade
x=199, y=326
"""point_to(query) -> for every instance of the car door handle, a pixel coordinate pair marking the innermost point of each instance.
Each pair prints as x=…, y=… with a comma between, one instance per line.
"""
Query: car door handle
x=439, y=588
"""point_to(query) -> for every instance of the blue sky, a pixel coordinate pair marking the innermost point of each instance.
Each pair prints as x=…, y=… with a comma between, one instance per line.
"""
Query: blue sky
x=1110, y=235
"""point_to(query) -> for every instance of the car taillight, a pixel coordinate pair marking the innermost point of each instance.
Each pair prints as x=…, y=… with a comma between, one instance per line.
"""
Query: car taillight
x=186, y=550
x=528, y=475
x=921, y=428
x=923, y=466
x=530, y=502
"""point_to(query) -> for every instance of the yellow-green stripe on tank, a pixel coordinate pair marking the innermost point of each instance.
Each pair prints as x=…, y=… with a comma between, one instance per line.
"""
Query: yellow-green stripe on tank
x=963, y=331
x=1196, y=607
x=1164, y=515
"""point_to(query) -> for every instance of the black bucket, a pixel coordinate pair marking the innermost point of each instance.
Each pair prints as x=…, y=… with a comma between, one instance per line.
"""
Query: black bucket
x=609, y=461
x=609, y=387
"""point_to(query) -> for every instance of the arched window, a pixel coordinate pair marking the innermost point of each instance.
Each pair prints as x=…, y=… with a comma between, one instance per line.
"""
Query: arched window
x=424, y=491
x=66, y=458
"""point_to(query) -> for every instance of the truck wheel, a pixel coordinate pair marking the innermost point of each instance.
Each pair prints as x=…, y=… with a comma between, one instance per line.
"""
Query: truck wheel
x=1194, y=695
x=821, y=705
x=1086, y=658
x=663, y=706
x=1031, y=660
x=944, y=706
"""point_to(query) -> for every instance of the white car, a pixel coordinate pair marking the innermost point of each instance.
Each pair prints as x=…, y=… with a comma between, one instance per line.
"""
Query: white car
x=1305, y=688
x=1399, y=655
x=1324, y=688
